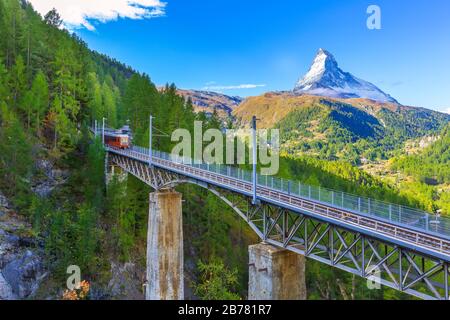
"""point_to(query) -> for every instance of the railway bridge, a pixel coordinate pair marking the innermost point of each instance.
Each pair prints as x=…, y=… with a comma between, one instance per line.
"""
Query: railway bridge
x=396, y=246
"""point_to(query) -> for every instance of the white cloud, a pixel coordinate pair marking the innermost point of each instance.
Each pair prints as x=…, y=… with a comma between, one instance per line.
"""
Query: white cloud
x=79, y=13
x=234, y=87
x=447, y=111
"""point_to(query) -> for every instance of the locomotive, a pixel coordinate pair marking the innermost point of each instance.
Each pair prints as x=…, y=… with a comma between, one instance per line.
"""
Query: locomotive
x=121, y=138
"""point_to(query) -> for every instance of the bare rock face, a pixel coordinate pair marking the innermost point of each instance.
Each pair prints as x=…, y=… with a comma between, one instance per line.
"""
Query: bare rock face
x=4, y=204
x=24, y=274
x=21, y=265
x=209, y=102
x=6, y=292
x=126, y=282
x=49, y=178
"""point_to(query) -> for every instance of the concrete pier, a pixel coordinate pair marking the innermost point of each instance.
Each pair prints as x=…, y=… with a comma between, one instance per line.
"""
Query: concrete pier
x=165, y=280
x=275, y=274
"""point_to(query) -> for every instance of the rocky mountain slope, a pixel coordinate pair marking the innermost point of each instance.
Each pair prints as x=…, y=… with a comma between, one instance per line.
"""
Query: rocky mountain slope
x=273, y=107
x=21, y=263
x=207, y=101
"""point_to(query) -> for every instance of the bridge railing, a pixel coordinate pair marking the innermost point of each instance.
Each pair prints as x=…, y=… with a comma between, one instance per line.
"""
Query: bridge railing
x=393, y=213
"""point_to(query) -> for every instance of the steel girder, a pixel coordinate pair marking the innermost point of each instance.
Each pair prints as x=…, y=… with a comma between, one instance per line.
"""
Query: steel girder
x=379, y=261
x=156, y=178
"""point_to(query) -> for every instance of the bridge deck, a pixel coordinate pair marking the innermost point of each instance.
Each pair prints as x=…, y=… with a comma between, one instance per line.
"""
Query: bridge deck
x=396, y=224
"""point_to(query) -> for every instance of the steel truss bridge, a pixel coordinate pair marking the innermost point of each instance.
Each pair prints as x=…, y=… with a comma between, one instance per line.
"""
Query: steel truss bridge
x=405, y=248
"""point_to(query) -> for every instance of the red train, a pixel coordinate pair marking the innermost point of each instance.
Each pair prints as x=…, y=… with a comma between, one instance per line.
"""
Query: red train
x=119, y=139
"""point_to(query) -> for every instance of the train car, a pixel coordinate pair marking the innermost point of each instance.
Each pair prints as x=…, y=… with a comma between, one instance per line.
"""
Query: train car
x=117, y=140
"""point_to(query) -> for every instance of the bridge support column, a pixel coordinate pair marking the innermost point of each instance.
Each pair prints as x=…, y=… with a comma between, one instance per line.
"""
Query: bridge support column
x=275, y=274
x=165, y=278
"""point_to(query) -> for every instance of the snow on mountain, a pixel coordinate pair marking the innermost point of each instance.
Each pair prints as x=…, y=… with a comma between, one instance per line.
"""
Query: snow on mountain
x=325, y=78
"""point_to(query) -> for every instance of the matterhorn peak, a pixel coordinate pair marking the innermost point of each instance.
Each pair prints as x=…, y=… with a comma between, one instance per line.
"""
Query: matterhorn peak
x=326, y=55
x=323, y=61
x=325, y=78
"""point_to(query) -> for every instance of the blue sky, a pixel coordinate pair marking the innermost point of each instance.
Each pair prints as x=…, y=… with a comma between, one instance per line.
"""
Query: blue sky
x=270, y=44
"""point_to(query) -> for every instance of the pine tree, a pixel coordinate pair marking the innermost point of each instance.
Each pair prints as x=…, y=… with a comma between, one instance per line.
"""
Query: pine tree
x=31, y=44
x=18, y=81
x=15, y=150
x=94, y=175
x=53, y=18
x=109, y=105
x=65, y=82
x=87, y=236
x=3, y=27
x=63, y=128
x=95, y=103
x=216, y=281
x=26, y=106
x=12, y=30
x=40, y=93
x=4, y=86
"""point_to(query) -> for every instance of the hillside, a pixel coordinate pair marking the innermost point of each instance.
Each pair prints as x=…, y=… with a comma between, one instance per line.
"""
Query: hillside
x=431, y=165
x=210, y=102
x=420, y=171
x=352, y=129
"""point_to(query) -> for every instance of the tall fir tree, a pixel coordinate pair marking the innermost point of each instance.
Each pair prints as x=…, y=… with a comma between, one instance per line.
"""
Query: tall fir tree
x=40, y=94
x=18, y=81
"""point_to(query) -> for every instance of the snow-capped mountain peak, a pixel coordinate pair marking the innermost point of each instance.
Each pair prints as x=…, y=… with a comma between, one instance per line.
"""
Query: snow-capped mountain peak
x=325, y=78
x=323, y=61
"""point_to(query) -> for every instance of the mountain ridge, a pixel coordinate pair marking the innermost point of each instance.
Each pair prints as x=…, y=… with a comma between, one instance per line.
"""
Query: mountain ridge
x=209, y=101
x=352, y=129
x=280, y=100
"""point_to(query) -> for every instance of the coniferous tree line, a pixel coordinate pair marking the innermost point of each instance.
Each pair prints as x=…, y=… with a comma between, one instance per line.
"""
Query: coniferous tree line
x=52, y=87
